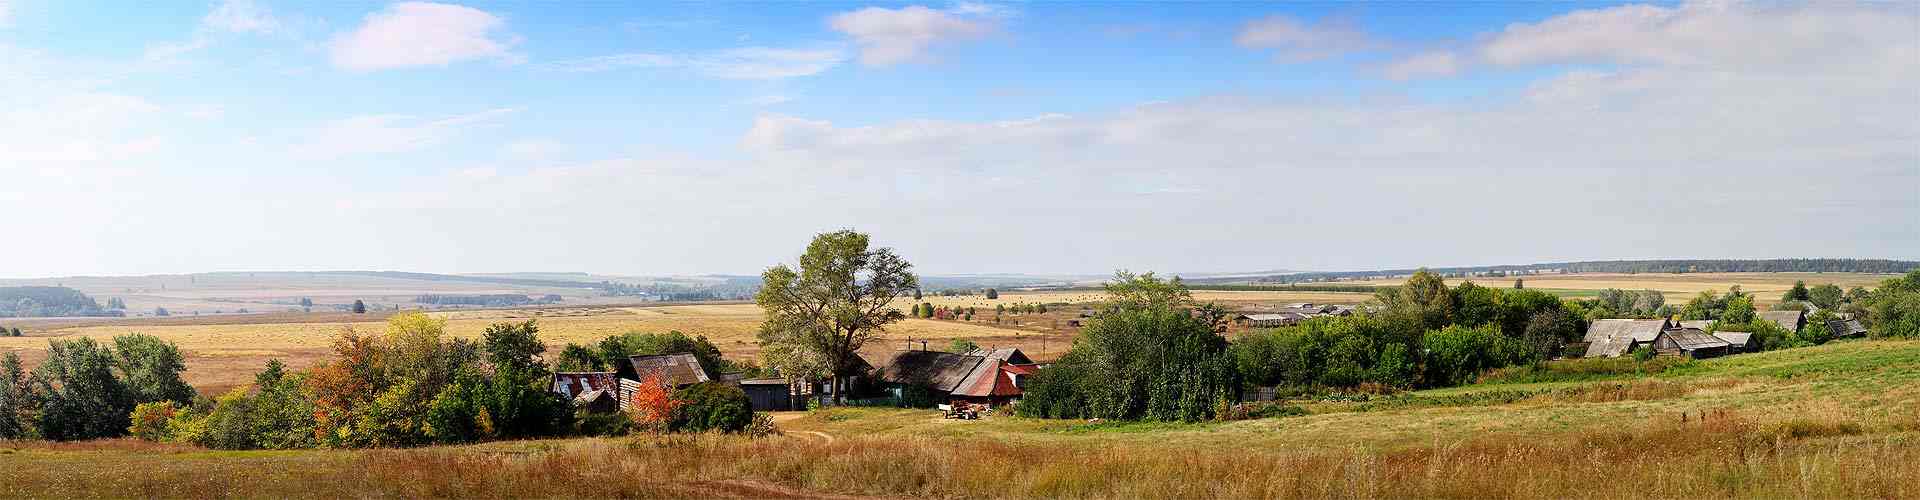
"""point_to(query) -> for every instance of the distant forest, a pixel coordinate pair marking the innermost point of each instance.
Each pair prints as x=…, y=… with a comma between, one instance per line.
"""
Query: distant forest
x=1884, y=266
x=44, y=301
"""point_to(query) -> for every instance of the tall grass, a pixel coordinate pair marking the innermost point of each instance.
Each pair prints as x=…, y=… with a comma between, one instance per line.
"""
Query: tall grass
x=1712, y=454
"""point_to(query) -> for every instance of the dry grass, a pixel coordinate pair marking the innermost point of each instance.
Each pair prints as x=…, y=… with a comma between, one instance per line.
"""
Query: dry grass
x=1725, y=456
x=1835, y=421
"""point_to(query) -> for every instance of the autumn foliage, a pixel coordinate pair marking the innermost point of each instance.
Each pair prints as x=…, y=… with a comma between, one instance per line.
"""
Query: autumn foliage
x=653, y=404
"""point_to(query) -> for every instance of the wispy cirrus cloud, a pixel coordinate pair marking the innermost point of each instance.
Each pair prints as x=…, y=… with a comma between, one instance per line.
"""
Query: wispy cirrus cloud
x=390, y=133
x=743, y=63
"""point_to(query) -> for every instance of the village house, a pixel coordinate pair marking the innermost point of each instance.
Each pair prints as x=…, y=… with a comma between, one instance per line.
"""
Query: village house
x=596, y=392
x=1690, y=342
x=1269, y=320
x=674, y=370
x=1789, y=320
x=992, y=377
x=1738, y=342
x=1612, y=338
x=1846, y=328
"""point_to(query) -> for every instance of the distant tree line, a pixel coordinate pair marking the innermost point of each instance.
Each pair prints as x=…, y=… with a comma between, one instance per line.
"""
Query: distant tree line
x=45, y=301
x=1884, y=266
x=486, y=300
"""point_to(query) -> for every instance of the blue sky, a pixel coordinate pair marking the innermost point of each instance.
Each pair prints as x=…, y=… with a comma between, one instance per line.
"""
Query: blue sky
x=662, y=138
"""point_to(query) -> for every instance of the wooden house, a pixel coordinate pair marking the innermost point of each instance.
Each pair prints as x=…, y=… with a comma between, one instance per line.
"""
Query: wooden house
x=595, y=392
x=1790, y=320
x=1612, y=338
x=1841, y=329
x=1738, y=342
x=983, y=376
x=1690, y=342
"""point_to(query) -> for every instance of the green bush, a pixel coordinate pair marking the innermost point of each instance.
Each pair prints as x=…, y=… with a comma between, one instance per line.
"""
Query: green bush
x=1156, y=363
x=712, y=406
x=1457, y=354
x=603, y=424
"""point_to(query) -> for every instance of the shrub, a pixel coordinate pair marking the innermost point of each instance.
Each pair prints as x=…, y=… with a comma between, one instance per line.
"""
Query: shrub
x=1643, y=354
x=1158, y=363
x=712, y=406
x=653, y=405
x=150, y=421
x=603, y=424
x=762, y=426
x=1456, y=354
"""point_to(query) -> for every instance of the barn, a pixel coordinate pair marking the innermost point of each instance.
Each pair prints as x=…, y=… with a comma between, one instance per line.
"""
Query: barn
x=1612, y=338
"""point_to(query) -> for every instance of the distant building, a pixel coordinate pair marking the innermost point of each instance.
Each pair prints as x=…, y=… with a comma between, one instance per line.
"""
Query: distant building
x=1690, y=342
x=1846, y=328
x=1738, y=342
x=1790, y=320
x=1611, y=338
x=596, y=392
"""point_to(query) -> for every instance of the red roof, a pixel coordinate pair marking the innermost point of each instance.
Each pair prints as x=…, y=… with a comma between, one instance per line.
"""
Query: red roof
x=993, y=378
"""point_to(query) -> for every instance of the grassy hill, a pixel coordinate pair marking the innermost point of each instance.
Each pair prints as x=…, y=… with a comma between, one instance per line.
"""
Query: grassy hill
x=1841, y=420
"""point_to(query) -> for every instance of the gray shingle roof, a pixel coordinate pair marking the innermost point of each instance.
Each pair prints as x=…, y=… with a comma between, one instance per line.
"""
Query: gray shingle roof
x=1640, y=330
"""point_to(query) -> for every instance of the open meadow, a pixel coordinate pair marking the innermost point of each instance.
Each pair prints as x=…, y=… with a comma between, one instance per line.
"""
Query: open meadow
x=1821, y=422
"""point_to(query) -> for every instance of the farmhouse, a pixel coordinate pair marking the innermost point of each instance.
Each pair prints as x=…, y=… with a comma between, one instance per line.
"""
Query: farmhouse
x=1790, y=320
x=1690, y=342
x=992, y=377
x=1738, y=342
x=1612, y=338
x=1269, y=320
x=674, y=370
x=594, y=391
x=1846, y=328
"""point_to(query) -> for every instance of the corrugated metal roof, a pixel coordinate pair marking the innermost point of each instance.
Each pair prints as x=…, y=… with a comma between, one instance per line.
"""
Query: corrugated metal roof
x=674, y=369
x=573, y=384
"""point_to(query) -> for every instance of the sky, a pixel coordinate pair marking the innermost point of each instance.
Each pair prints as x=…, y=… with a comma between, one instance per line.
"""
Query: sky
x=652, y=138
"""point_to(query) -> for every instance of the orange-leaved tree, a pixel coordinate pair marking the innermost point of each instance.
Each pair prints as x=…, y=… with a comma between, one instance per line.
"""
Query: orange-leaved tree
x=653, y=404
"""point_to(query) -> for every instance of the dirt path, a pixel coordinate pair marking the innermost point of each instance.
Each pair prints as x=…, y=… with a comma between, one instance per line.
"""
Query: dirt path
x=822, y=435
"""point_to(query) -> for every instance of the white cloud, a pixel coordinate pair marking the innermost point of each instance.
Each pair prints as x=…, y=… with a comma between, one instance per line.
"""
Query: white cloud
x=409, y=34
x=1425, y=64
x=241, y=16
x=893, y=36
x=744, y=63
x=534, y=148
x=767, y=100
x=1719, y=36
x=369, y=134
x=6, y=13
x=1684, y=146
x=1296, y=41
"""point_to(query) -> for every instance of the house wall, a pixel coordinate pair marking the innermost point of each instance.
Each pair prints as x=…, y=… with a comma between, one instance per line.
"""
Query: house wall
x=769, y=397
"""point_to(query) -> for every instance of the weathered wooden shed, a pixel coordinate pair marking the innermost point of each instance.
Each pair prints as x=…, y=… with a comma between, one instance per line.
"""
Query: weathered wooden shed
x=768, y=394
x=1690, y=342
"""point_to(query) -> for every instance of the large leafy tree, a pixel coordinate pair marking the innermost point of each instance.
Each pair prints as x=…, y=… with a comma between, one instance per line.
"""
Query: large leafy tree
x=1424, y=297
x=151, y=369
x=81, y=398
x=15, y=401
x=842, y=296
x=1150, y=357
